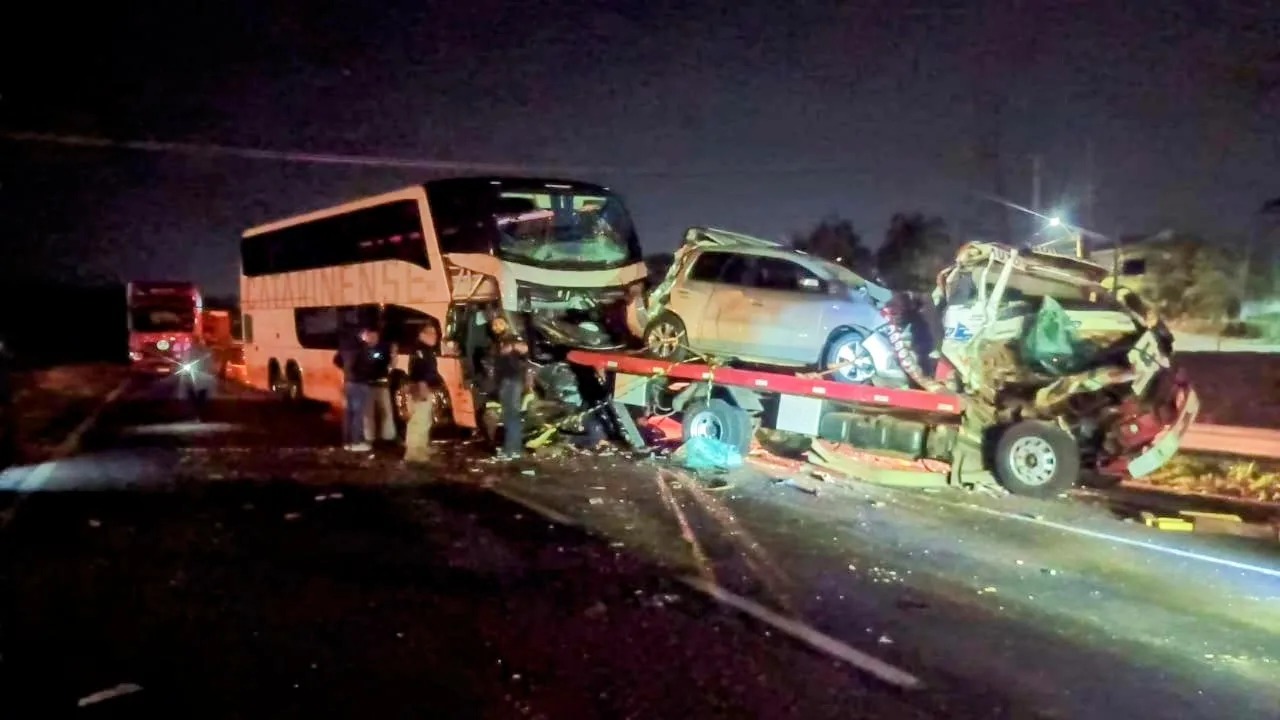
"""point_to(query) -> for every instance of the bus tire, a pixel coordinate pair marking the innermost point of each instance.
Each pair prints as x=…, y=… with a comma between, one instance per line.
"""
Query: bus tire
x=275, y=378
x=401, y=403
x=293, y=391
x=1036, y=459
x=718, y=420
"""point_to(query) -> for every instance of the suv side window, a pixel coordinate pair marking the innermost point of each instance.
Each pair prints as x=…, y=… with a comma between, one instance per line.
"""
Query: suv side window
x=780, y=274
x=738, y=270
x=709, y=266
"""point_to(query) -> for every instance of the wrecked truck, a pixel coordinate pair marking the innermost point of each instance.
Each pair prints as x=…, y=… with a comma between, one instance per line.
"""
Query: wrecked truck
x=1042, y=376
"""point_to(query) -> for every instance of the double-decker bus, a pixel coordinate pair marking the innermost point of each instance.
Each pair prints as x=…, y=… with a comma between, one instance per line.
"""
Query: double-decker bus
x=563, y=256
x=164, y=321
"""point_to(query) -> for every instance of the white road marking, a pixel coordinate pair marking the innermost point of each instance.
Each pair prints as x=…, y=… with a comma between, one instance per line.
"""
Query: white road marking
x=72, y=441
x=535, y=506
x=798, y=630
x=42, y=472
x=808, y=635
x=1096, y=534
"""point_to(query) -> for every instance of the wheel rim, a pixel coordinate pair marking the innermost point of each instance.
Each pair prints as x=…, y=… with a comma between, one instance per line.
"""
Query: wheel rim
x=705, y=424
x=402, y=402
x=855, y=361
x=664, y=339
x=1033, y=461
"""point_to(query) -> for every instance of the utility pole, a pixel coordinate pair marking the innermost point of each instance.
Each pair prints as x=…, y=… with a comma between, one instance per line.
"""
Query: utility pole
x=1089, y=190
x=1035, y=184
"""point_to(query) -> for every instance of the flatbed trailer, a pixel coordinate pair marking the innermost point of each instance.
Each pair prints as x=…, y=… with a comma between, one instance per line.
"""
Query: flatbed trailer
x=729, y=404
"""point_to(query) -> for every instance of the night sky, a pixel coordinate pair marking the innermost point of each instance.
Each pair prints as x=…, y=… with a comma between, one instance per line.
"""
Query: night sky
x=761, y=118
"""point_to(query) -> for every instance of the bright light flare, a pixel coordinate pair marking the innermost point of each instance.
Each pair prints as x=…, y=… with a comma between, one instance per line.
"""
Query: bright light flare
x=1055, y=221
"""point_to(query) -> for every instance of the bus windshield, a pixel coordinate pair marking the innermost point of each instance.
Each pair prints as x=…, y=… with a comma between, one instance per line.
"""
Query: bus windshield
x=564, y=229
x=162, y=319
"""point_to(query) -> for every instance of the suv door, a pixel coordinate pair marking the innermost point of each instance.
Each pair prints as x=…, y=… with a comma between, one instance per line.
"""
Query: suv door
x=780, y=317
x=727, y=323
x=691, y=297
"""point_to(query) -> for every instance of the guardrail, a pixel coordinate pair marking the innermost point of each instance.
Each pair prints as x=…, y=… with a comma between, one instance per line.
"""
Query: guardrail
x=1261, y=443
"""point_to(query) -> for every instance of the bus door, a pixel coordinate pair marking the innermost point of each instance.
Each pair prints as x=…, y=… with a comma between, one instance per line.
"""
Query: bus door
x=464, y=360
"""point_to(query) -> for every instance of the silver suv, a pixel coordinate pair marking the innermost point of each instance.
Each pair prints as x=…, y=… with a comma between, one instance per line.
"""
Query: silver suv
x=754, y=300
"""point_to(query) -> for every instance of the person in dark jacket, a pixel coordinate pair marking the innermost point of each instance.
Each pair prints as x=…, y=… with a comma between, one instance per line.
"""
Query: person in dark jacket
x=380, y=419
x=194, y=378
x=423, y=378
x=354, y=357
x=509, y=371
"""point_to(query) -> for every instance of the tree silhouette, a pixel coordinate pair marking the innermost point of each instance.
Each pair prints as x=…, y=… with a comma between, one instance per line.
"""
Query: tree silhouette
x=1191, y=278
x=835, y=239
x=915, y=248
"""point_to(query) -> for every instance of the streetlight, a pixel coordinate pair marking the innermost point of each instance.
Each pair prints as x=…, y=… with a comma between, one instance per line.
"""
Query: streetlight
x=1055, y=221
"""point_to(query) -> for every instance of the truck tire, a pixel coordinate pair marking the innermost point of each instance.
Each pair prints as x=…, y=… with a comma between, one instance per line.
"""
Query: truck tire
x=666, y=338
x=721, y=421
x=1036, y=459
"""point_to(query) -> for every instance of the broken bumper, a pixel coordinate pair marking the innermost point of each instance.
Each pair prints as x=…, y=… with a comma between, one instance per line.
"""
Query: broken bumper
x=1166, y=444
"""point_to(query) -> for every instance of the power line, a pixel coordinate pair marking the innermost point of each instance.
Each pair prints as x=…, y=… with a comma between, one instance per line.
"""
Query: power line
x=390, y=161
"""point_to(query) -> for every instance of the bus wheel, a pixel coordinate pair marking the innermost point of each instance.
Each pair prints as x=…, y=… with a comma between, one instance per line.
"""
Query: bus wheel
x=1036, y=459
x=721, y=421
x=275, y=379
x=401, y=402
x=293, y=383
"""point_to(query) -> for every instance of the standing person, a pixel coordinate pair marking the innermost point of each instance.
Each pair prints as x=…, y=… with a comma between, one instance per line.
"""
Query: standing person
x=380, y=419
x=509, y=374
x=353, y=357
x=424, y=377
x=194, y=380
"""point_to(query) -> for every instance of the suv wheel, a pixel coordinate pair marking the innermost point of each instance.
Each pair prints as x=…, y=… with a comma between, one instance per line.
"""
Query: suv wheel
x=848, y=351
x=666, y=338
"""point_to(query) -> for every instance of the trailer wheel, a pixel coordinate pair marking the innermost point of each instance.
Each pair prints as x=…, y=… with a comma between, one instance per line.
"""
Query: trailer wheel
x=666, y=338
x=1036, y=459
x=721, y=421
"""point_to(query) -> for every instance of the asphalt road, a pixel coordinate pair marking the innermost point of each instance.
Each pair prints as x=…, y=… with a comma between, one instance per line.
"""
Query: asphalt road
x=241, y=567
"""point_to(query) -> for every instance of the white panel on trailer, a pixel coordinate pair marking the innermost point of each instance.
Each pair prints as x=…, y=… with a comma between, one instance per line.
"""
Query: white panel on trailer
x=630, y=389
x=799, y=414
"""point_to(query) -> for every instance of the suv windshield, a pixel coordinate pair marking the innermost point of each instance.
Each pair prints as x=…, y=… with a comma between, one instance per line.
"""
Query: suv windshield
x=570, y=230
x=162, y=319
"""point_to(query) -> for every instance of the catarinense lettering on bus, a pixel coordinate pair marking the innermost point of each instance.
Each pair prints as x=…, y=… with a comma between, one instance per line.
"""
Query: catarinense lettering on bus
x=392, y=283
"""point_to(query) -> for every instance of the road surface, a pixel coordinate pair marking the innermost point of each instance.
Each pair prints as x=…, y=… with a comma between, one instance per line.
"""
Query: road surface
x=229, y=578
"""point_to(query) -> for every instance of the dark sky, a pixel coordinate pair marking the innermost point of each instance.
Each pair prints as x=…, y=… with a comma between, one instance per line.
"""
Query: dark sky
x=765, y=116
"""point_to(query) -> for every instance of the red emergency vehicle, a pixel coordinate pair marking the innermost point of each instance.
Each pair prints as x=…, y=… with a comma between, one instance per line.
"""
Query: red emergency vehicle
x=165, y=320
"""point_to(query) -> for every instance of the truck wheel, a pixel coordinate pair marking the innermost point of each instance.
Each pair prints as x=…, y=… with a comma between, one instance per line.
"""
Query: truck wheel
x=666, y=338
x=721, y=421
x=1036, y=459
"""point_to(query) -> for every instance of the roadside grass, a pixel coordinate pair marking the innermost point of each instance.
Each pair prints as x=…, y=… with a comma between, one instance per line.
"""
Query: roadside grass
x=1210, y=475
